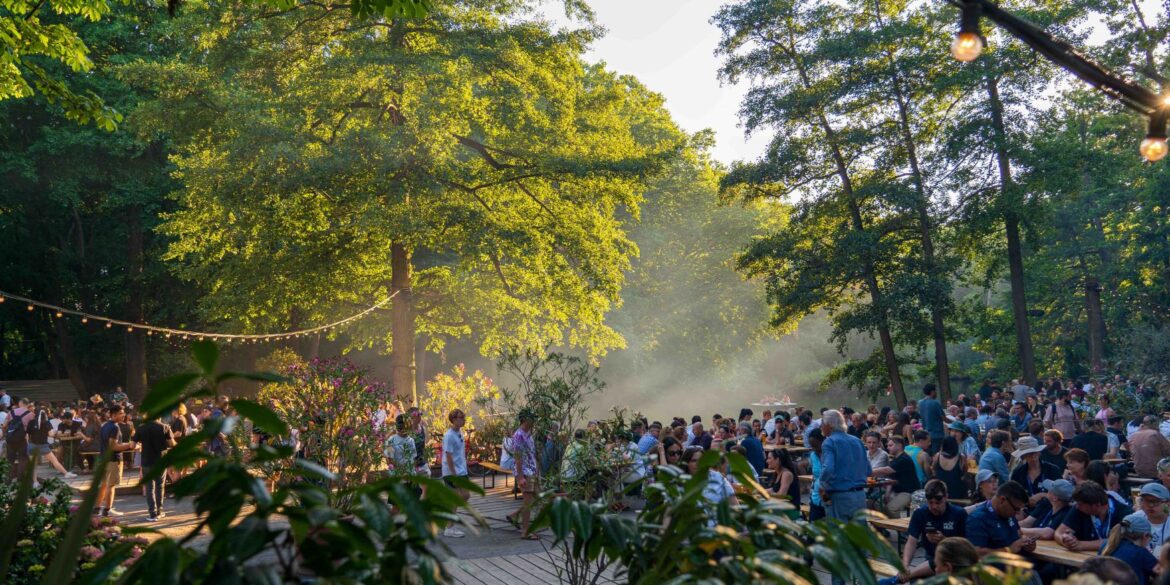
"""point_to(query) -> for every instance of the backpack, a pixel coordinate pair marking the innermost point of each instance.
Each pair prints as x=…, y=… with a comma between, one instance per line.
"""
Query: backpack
x=15, y=435
x=38, y=429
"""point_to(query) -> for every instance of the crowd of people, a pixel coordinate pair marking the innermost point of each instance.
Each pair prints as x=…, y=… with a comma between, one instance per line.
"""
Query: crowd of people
x=72, y=438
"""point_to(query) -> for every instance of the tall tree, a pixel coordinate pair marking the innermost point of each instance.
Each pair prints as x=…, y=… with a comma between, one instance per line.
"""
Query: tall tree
x=837, y=241
x=467, y=162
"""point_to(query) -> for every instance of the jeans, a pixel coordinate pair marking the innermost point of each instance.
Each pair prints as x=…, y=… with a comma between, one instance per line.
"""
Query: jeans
x=154, y=492
x=844, y=506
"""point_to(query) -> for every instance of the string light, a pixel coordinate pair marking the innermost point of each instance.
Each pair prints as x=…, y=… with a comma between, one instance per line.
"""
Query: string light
x=968, y=43
x=185, y=334
x=1154, y=147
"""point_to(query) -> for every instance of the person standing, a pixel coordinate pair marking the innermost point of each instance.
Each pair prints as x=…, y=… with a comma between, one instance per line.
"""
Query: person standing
x=455, y=460
x=110, y=441
x=527, y=473
x=932, y=417
x=844, y=471
x=154, y=437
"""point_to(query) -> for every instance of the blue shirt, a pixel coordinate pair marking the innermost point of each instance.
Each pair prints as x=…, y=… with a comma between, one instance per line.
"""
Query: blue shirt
x=844, y=464
x=993, y=459
x=1138, y=558
x=932, y=417
x=970, y=448
x=1021, y=423
x=815, y=489
x=109, y=431
x=646, y=443
x=755, y=452
x=985, y=529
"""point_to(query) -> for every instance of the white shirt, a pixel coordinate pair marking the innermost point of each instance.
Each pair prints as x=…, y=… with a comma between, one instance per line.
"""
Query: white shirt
x=770, y=426
x=453, y=447
x=1159, y=532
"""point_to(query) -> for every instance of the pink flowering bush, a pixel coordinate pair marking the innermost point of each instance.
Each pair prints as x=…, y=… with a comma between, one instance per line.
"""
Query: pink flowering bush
x=330, y=404
x=46, y=519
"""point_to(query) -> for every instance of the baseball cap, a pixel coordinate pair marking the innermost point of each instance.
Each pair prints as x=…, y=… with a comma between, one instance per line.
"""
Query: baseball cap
x=1061, y=488
x=984, y=475
x=1156, y=490
x=1137, y=523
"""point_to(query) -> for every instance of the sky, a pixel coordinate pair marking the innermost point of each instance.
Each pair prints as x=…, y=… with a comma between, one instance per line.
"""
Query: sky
x=669, y=45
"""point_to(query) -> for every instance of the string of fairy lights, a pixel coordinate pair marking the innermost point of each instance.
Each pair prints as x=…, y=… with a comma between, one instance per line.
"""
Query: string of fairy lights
x=174, y=334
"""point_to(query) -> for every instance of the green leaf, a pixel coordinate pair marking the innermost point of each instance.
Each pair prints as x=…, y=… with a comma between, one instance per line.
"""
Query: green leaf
x=65, y=557
x=14, y=520
x=160, y=564
x=166, y=394
x=206, y=354
x=262, y=416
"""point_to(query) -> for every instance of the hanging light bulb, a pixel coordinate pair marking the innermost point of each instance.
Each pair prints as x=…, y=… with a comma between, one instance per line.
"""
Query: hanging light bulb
x=2, y=298
x=1154, y=147
x=149, y=332
x=109, y=324
x=30, y=307
x=60, y=314
x=84, y=320
x=968, y=43
x=129, y=329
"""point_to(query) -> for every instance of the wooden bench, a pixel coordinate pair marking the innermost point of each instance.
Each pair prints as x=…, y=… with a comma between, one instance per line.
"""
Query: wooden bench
x=494, y=468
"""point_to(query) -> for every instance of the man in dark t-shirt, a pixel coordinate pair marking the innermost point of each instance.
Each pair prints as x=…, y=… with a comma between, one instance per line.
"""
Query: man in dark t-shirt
x=155, y=438
x=901, y=469
x=929, y=524
x=1094, y=442
x=1054, y=450
x=1087, y=526
x=110, y=439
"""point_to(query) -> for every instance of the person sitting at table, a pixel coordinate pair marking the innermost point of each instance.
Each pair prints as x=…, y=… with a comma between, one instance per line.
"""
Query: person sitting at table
x=1032, y=472
x=1049, y=514
x=1094, y=440
x=1128, y=542
x=929, y=525
x=992, y=527
x=873, y=449
x=1087, y=526
x=968, y=446
x=1154, y=500
x=993, y=459
x=785, y=482
x=1115, y=430
x=919, y=451
x=815, y=441
x=1076, y=463
x=905, y=477
x=957, y=556
x=702, y=437
x=753, y=448
x=1109, y=570
x=986, y=484
x=951, y=467
x=1147, y=447
x=1106, y=475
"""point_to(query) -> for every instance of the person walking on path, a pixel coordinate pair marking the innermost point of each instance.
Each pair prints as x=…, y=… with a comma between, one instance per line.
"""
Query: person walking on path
x=454, y=460
x=155, y=438
x=110, y=441
x=932, y=417
x=527, y=473
x=844, y=471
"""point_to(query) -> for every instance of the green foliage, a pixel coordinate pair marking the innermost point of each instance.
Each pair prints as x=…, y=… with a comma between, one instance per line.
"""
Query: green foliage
x=331, y=404
x=421, y=133
x=554, y=387
x=473, y=393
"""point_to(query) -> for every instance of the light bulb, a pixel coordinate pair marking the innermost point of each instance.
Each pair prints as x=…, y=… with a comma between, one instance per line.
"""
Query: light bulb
x=129, y=329
x=967, y=46
x=1154, y=148
x=1, y=298
x=84, y=320
x=109, y=325
x=60, y=314
x=30, y=307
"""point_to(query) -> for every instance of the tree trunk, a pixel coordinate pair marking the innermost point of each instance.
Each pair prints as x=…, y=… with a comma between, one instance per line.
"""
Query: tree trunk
x=402, y=324
x=925, y=225
x=69, y=357
x=1096, y=324
x=1011, y=221
x=135, y=308
x=421, y=374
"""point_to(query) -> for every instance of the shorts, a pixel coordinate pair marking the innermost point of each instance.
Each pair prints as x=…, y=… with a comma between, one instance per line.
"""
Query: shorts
x=447, y=480
x=531, y=486
x=34, y=449
x=113, y=475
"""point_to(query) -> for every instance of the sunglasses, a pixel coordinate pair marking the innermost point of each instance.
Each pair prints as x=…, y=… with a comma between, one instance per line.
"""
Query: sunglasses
x=674, y=452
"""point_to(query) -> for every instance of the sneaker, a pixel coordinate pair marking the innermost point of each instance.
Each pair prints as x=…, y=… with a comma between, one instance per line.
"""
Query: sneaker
x=151, y=519
x=453, y=532
x=70, y=475
x=112, y=512
x=161, y=515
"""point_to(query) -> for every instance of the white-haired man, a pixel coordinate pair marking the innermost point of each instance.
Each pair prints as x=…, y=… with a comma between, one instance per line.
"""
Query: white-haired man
x=844, y=471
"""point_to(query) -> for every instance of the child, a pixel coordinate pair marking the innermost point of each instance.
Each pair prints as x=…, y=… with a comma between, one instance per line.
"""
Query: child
x=1127, y=543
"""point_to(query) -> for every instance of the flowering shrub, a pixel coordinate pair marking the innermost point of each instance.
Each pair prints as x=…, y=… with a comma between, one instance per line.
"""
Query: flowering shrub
x=461, y=390
x=330, y=405
x=45, y=521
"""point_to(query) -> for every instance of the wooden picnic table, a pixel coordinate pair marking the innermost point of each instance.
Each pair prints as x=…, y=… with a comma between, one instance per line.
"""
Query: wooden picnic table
x=1046, y=550
x=1138, y=481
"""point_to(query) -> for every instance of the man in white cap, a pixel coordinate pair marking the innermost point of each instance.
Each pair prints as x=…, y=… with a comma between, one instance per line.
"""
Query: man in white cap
x=1154, y=501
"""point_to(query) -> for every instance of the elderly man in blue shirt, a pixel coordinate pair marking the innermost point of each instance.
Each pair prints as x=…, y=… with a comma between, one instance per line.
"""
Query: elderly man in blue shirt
x=844, y=470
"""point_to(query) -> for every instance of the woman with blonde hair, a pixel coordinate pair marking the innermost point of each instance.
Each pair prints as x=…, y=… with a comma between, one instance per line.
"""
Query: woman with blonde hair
x=1127, y=543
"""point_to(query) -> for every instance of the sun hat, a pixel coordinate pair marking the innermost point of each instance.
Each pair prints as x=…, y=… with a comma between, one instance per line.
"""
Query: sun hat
x=984, y=475
x=1157, y=490
x=1026, y=446
x=958, y=426
x=1061, y=488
